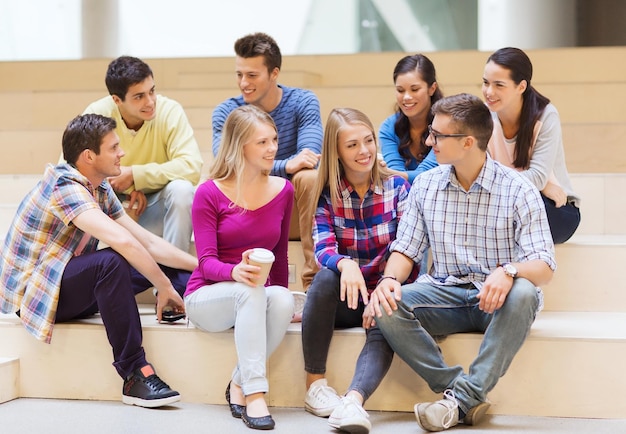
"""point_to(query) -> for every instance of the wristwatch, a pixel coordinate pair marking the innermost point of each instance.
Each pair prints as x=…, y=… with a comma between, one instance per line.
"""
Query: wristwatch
x=509, y=269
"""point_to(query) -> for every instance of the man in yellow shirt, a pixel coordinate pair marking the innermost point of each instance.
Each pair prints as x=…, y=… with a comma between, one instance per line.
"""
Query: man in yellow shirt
x=162, y=163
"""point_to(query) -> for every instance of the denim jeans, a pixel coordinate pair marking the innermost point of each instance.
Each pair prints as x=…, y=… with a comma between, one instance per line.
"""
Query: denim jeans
x=323, y=311
x=428, y=310
x=260, y=316
x=168, y=213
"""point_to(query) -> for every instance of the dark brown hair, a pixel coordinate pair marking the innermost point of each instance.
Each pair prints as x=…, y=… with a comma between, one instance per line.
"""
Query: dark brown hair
x=520, y=68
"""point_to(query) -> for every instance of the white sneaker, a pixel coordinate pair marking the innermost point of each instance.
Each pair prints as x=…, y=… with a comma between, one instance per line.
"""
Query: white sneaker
x=350, y=417
x=321, y=399
x=298, y=301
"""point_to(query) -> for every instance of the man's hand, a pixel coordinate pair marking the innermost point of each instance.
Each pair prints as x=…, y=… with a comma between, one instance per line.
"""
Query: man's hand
x=495, y=290
x=137, y=203
x=306, y=159
x=169, y=297
x=123, y=181
x=386, y=295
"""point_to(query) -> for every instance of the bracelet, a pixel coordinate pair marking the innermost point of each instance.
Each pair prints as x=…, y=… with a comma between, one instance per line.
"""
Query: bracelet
x=385, y=277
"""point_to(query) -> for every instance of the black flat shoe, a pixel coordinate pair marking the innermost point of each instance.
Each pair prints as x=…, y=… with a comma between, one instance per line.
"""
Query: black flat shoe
x=235, y=409
x=263, y=422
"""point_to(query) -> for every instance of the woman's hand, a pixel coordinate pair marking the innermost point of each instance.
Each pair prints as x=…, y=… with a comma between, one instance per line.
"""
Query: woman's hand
x=245, y=272
x=556, y=193
x=351, y=283
x=368, y=317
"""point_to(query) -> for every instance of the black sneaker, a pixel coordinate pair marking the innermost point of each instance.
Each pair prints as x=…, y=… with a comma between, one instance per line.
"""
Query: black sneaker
x=145, y=389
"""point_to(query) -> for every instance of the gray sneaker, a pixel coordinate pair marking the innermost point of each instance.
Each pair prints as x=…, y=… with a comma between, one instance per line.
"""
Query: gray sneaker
x=443, y=414
x=350, y=417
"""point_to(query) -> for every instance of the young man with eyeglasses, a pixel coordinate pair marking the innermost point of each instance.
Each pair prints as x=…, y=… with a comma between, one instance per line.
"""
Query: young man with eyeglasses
x=491, y=245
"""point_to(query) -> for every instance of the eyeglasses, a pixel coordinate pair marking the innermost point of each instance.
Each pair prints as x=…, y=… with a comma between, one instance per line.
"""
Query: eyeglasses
x=437, y=136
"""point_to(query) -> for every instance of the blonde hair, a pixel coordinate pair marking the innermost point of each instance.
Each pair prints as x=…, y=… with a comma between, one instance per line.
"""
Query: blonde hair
x=331, y=170
x=239, y=127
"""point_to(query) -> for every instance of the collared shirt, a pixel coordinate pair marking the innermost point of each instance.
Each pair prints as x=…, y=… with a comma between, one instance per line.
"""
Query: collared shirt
x=361, y=230
x=42, y=240
x=500, y=219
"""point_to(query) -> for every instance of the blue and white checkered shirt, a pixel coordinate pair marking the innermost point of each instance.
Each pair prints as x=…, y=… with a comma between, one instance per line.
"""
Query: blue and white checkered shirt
x=500, y=219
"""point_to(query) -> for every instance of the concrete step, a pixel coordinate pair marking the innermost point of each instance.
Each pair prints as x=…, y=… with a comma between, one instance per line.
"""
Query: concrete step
x=569, y=290
x=9, y=378
x=565, y=369
x=602, y=206
x=588, y=276
x=599, y=244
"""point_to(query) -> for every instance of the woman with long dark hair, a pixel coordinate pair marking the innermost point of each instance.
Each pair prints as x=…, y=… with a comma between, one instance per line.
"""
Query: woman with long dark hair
x=403, y=134
x=527, y=136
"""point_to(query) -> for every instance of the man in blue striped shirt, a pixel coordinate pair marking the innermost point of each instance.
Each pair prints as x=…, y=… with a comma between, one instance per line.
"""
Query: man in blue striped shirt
x=488, y=232
x=296, y=113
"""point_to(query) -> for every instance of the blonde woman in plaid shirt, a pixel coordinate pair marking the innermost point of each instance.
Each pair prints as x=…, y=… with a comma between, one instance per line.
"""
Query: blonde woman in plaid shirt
x=360, y=204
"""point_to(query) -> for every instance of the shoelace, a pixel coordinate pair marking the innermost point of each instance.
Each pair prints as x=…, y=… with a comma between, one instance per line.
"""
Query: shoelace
x=349, y=400
x=155, y=383
x=450, y=402
x=323, y=393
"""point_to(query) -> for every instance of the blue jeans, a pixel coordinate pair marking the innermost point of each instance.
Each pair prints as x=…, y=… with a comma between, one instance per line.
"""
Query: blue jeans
x=260, y=316
x=428, y=310
x=323, y=311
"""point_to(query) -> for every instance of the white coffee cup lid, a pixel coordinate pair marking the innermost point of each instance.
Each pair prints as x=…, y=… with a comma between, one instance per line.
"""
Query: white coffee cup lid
x=262, y=255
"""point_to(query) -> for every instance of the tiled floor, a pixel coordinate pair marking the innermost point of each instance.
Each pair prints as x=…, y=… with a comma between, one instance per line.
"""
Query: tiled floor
x=28, y=416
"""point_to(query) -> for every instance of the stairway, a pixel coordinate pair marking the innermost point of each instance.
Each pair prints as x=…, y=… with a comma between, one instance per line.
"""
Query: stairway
x=569, y=365
x=565, y=369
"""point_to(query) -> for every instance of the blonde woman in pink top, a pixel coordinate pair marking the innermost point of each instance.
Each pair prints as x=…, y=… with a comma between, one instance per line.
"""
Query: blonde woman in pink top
x=239, y=208
x=527, y=136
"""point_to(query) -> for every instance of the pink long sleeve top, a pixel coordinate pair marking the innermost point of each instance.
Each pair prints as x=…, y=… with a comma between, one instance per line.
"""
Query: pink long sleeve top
x=223, y=232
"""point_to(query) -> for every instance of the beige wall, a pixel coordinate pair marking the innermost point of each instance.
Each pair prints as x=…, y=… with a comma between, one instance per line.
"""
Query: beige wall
x=587, y=85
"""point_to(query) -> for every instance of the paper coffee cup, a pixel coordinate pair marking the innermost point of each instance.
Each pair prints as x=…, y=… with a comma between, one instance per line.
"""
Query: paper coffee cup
x=262, y=258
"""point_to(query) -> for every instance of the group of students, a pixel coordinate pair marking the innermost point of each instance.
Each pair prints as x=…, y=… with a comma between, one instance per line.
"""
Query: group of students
x=365, y=223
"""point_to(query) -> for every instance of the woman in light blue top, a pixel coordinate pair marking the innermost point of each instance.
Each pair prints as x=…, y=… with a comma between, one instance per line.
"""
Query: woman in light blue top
x=403, y=134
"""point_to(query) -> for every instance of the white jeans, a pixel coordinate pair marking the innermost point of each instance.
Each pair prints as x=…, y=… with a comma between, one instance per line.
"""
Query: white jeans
x=168, y=213
x=260, y=316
